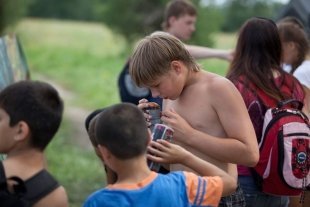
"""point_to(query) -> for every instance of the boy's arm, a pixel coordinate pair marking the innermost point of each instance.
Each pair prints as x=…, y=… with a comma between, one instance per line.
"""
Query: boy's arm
x=162, y=151
x=200, y=52
x=240, y=144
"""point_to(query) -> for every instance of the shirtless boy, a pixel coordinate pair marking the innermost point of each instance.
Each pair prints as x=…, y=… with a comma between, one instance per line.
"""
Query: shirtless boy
x=205, y=110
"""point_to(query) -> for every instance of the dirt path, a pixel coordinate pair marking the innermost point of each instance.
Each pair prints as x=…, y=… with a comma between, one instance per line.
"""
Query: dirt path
x=74, y=115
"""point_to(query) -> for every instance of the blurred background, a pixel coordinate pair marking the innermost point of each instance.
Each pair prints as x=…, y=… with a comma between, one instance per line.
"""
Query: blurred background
x=81, y=46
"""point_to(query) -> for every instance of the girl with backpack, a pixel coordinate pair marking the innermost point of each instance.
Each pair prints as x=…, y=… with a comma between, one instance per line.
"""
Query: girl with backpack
x=255, y=70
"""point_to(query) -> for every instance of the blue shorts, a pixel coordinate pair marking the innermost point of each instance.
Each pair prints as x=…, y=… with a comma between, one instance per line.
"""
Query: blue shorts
x=256, y=198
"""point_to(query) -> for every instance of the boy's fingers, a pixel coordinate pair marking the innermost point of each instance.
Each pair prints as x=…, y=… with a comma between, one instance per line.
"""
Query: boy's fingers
x=156, y=145
x=170, y=113
x=164, y=142
x=143, y=100
x=154, y=158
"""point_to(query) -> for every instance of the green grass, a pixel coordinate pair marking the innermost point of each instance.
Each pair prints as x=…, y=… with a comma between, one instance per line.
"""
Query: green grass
x=86, y=59
x=83, y=57
x=79, y=171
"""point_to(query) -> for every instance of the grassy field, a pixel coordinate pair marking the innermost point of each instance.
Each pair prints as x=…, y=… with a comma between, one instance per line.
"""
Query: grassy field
x=85, y=59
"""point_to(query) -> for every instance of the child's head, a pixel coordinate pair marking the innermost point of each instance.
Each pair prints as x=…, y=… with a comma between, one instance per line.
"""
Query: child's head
x=122, y=129
x=90, y=123
x=180, y=18
x=293, y=20
x=258, y=49
x=154, y=55
x=258, y=55
x=295, y=44
x=37, y=106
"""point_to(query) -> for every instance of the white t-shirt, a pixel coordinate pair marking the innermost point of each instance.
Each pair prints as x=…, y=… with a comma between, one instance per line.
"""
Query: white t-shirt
x=287, y=67
x=302, y=73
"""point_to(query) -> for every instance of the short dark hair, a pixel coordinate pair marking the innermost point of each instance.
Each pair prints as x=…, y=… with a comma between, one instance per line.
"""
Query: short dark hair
x=36, y=103
x=178, y=8
x=122, y=129
x=90, y=125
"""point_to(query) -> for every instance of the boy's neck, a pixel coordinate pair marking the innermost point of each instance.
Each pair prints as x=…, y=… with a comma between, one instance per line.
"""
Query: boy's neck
x=24, y=163
x=131, y=171
x=28, y=156
x=192, y=77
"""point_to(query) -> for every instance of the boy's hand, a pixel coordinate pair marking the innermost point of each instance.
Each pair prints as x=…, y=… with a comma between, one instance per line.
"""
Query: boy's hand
x=144, y=103
x=164, y=152
x=179, y=125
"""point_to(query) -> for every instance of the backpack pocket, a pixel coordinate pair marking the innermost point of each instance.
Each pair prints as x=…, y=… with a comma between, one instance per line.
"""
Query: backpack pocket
x=294, y=155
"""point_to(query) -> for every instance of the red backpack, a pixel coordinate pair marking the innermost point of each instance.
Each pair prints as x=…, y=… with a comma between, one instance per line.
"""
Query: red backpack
x=284, y=162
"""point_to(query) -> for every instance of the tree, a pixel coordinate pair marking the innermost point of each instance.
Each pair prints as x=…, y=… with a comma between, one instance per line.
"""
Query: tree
x=238, y=11
x=133, y=18
x=10, y=12
x=68, y=9
x=209, y=20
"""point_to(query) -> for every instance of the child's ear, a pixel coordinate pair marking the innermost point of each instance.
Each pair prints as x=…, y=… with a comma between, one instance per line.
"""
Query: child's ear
x=171, y=20
x=104, y=153
x=176, y=66
x=23, y=131
x=97, y=151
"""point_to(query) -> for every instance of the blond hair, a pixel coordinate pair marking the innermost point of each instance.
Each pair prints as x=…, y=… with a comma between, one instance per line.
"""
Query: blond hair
x=153, y=55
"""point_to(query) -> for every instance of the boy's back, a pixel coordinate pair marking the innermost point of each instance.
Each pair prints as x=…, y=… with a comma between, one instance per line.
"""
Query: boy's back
x=173, y=189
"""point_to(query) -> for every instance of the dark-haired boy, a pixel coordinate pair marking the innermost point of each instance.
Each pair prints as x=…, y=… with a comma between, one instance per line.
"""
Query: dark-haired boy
x=123, y=138
x=30, y=115
x=90, y=124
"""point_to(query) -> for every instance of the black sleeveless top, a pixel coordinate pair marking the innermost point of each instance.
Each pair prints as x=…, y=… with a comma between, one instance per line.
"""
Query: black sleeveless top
x=37, y=187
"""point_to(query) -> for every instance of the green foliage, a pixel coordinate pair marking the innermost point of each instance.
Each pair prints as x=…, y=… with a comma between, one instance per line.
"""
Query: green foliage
x=209, y=20
x=238, y=11
x=89, y=10
x=85, y=58
x=10, y=12
x=134, y=18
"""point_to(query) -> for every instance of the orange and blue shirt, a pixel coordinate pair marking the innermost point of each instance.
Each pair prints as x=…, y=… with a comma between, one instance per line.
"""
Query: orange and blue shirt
x=173, y=189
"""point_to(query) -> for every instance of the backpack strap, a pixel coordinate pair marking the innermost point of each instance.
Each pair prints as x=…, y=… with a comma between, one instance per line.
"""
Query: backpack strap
x=33, y=189
x=40, y=185
x=297, y=103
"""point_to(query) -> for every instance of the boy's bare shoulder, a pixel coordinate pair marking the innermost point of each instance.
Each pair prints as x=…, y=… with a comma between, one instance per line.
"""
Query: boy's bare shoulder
x=216, y=83
x=57, y=198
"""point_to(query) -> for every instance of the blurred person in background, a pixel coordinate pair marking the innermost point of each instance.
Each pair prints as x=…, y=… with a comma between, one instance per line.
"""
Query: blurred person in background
x=296, y=54
x=179, y=21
